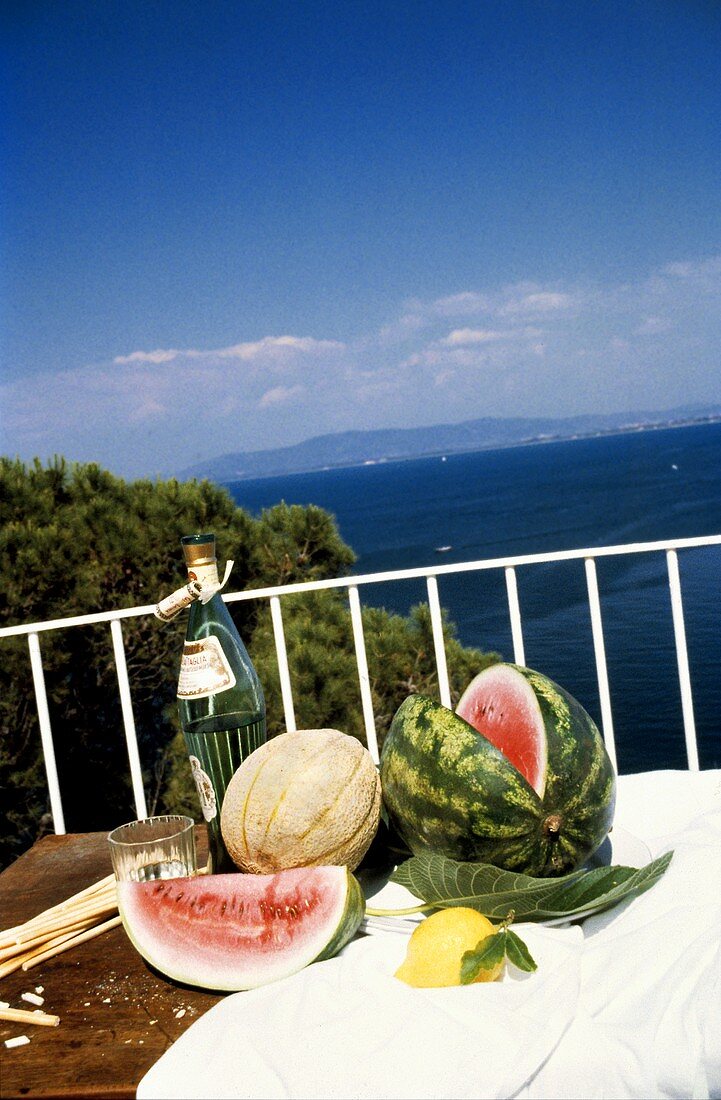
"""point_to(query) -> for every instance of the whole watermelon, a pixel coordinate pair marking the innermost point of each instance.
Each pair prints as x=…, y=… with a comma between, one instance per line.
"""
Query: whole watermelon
x=449, y=789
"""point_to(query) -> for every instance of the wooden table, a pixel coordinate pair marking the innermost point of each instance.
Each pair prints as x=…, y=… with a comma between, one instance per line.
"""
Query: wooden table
x=117, y=1016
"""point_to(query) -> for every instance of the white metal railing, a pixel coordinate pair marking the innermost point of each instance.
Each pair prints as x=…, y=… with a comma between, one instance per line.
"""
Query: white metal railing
x=351, y=584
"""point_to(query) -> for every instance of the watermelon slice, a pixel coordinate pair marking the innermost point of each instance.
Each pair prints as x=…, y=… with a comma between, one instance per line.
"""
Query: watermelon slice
x=236, y=931
x=503, y=706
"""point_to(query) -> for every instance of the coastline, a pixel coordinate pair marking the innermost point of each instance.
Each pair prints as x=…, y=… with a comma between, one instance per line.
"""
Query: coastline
x=631, y=429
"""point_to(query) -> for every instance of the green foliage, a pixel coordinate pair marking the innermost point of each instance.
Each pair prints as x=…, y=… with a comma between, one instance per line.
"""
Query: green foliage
x=295, y=543
x=81, y=540
x=489, y=952
x=444, y=883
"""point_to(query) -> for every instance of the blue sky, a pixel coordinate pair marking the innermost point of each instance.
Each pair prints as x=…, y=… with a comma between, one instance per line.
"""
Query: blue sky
x=230, y=226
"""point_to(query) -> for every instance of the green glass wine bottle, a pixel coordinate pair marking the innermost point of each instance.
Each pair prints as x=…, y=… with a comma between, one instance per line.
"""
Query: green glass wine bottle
x=220, y=699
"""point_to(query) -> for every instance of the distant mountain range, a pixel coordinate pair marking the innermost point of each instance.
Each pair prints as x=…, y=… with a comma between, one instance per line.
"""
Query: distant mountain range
x=355, y=448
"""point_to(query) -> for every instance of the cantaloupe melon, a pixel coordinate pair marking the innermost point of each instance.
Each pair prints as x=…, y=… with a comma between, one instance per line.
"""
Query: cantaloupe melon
x=304, y=799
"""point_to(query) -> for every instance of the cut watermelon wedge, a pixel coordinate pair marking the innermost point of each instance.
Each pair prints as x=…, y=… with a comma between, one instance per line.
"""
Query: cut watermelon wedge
x=501, y=704
x=236, y=931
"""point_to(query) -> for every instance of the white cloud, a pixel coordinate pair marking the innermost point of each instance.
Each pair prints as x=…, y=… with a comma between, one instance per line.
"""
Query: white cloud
x=402, y=329
x=515, y=303
x=270, y=347
x=149, y=409
x=653, y=326
x=159, y=356
x=694, y=269
x=441, y=355
x=422, y=358
x=466, y=301
x=279, y=395
x=460, y=337
x=541, y=301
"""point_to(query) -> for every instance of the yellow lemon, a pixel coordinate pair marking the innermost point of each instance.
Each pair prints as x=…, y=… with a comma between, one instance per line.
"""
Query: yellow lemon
x=436, y=948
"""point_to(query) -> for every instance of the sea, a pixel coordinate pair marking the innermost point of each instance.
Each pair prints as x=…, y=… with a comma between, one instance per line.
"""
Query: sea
x=633, y=487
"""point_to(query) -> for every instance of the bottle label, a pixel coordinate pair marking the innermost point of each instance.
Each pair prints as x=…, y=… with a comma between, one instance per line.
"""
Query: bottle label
x=206, y=576
x=173, y=604
x=206, y=794
x=204, y=669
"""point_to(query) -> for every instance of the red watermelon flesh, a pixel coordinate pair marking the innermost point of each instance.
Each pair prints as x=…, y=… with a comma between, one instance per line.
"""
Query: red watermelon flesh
x=236, y=931
x=502, y=706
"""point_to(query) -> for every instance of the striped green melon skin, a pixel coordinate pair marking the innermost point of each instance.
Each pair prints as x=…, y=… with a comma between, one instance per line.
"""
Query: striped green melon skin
x=449, y=790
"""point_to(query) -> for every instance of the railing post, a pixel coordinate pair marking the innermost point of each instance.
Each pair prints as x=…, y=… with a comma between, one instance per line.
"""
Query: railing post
x=126, y=703
x=519, y=655
x=594, y=604
x=286, y=690
x=684, y=677
x=434, y=604
x=363, y=677
x=46, y=734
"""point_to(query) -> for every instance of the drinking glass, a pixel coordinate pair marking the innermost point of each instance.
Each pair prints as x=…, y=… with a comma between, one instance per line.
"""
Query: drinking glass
x=155, y=847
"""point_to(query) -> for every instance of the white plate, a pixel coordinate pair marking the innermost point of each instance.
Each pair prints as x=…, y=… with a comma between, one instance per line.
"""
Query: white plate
x=620, y=848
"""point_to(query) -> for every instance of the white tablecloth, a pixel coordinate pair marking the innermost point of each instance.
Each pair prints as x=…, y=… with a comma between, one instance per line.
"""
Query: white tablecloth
x=627, y=1004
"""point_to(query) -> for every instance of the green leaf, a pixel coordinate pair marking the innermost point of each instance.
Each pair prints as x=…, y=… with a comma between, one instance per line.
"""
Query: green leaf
x=489, y=952
x=518, y=954
x=445, y=882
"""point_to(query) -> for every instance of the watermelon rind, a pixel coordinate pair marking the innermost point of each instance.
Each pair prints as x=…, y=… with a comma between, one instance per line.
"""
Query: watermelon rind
x=232, y=932
x=448, y=790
